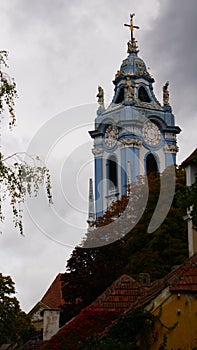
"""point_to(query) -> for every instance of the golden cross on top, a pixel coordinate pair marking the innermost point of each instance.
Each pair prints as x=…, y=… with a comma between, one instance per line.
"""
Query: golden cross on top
x=131, y=26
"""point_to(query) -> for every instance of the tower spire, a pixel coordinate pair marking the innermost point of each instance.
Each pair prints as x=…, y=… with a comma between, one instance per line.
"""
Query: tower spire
x=91, y=212
x=132, y=46
x=131, y=25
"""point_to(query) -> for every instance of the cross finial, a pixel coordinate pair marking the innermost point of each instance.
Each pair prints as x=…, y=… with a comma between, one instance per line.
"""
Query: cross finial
x=131, y=25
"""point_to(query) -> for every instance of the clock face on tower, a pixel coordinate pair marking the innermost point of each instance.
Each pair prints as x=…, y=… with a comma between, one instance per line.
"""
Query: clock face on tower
x=151, y=134
x=111, y=136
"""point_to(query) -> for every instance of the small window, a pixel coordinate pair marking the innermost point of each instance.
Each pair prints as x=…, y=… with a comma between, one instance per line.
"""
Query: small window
x=120, y=97
x=143, y=95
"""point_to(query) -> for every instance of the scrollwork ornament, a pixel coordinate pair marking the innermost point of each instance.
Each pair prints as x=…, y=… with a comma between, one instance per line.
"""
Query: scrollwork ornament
x=171, y=148
x=131, y=142
x=97, y=151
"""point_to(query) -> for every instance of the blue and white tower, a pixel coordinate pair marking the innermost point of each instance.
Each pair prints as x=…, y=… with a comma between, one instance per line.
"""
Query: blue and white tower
x=135, y=134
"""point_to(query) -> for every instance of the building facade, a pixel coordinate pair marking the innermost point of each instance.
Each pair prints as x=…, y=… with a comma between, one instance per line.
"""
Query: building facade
x=134, y=135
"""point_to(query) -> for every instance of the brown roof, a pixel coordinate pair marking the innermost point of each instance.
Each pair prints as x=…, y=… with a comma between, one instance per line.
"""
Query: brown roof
x=181, y=279
x=187, y=281
x=98, y=316
x=120, y=294
x=124, y=295
x=53, y=296
x=189, y=159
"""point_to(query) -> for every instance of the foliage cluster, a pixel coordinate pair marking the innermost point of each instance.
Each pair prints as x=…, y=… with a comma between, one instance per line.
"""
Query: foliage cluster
x=120, y=218
x=106, y=330
x=132, y=331
x=188, y=198
x=8, y=91
x=15, y=325
x=18, y=177
x=193, y=195
x=89, y=322
x=91, y=270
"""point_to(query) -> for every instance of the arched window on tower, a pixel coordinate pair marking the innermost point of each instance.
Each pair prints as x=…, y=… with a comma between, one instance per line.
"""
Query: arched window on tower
x=112, y=173
x=143, y=95
x=151, y=165
x=120, y=96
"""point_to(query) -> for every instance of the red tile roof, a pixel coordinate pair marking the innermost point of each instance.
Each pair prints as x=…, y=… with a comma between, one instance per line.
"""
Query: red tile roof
x=120, y=295
x=53, y=296
x=95, y=318
x=124, y=295
x=189, y=159
x=182, y=278
x=187, y=281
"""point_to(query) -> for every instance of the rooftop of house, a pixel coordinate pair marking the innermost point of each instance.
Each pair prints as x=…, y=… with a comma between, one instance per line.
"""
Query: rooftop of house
x=95, y=318
x=119, y=295
x=124, y=295
x=52, y=299
x=53, y=296
x=185, y=280
x=182, y=278
x=189, y=159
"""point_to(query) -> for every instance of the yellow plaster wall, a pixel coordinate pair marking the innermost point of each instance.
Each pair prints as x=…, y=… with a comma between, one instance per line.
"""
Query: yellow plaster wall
x=180, y=309
x=38, y=325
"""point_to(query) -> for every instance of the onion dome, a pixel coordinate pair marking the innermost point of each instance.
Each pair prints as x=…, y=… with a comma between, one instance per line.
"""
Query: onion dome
x=133, y=65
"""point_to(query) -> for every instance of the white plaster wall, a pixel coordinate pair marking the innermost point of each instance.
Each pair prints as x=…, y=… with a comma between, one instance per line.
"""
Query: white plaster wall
x=50, y=323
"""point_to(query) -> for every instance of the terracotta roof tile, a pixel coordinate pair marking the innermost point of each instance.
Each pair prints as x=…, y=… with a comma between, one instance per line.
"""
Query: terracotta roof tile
x=120, y=294
x=183, y=278
x=53, y=296
x=188, y=280
x=124, y=295
x=98, y=316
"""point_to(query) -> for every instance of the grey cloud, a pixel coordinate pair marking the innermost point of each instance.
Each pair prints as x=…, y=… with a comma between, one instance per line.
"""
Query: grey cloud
x=171, y=50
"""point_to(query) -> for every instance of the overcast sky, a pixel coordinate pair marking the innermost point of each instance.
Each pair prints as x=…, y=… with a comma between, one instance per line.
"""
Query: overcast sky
x=59, y=51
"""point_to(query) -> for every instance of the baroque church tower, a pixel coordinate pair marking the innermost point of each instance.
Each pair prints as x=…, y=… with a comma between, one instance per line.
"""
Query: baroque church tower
x=133, y=136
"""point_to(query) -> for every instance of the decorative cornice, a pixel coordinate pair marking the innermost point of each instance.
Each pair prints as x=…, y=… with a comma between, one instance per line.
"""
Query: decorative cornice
x=131, y=142
x=120, y=73
x=132, y=46
x=130, y=129
x=171, y=148
x=148, y=105
x=97, y=151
